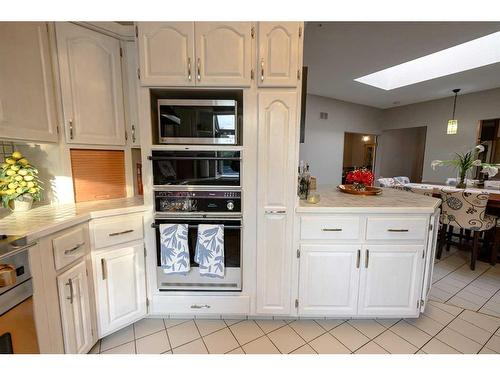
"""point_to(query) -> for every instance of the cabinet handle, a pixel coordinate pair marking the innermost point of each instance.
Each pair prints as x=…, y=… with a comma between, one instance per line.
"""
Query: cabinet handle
x=397, y=230
x=367, y=259
x=104, y=269
x=73, y=249
x=262, y=70
x=189, y=68
x=133, y=133
x=275, y=211
x=331, y=229
x=200, y=306
x=198, y=69
x=70, y=129
x=358, y=258
x=70, y=284
x=120, y=233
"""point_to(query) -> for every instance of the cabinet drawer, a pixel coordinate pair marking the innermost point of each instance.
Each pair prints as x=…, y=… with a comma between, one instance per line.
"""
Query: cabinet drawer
x=396, y=228
x=329, y=228
x=69, y=246
x=116, y=230
x=201, y=305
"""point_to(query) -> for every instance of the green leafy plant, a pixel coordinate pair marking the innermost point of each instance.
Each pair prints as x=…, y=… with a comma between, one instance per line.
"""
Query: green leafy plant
x=463, y=162
x=18, y=178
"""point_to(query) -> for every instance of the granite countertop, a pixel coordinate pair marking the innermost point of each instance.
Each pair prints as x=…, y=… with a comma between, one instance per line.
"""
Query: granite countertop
x=390, y=201
x=46, y=219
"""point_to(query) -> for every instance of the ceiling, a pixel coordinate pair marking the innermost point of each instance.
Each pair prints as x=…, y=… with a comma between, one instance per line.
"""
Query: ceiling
x=338, y=52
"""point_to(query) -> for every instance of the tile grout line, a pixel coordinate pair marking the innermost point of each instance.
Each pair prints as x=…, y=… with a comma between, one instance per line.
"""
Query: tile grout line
x=168, y=337
x=201, y=337
x=467, y=286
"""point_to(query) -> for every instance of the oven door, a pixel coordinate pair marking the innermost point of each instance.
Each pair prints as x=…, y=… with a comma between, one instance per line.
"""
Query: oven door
x=196, y=168
x=197, y=121
x=192, y=280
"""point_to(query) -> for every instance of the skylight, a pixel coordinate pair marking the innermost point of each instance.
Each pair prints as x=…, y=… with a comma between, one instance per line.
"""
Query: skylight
x=473, y=54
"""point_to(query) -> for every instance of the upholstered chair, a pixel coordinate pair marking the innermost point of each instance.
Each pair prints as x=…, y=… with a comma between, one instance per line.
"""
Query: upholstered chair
x=465, y=210
x=386, y=182
x=402, y=180
x=423, y=190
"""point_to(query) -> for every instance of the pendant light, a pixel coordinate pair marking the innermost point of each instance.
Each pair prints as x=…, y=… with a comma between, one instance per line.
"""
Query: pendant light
x=453, y=123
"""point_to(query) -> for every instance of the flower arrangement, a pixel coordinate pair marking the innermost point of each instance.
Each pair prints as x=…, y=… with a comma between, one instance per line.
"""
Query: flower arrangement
x=360, y=178
x=463, y=162
x=18, y=182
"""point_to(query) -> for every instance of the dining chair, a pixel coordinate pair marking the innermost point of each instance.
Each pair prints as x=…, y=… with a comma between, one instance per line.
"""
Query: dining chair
x=464, y=210
x=403, y=180
x=422, y=190
x=386, y=182
x=492, y=184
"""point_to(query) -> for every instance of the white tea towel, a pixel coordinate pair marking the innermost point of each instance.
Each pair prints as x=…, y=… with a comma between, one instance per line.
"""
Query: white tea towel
x=174, y=248
x=209, y=252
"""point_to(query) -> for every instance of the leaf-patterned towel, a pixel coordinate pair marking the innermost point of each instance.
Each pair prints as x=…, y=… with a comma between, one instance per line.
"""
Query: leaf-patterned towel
x=210, y=250
x=174, y=248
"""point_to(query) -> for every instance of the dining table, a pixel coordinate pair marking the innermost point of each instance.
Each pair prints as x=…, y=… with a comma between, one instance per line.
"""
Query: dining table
x=492, y=208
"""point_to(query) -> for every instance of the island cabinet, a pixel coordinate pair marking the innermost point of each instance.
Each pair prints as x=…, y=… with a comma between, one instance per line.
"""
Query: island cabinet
x=365, y=265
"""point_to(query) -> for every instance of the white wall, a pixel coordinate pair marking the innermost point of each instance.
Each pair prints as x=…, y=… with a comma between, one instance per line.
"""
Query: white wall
x=323, y=148
x=435, y=114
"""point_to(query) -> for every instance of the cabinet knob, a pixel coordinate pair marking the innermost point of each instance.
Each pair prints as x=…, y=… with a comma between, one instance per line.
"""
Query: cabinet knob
x=198, y=69
x=262, y=70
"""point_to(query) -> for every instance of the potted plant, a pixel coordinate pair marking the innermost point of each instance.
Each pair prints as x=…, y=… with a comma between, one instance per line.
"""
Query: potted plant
x=19, y=183
x=464, y=162
x=360, y=178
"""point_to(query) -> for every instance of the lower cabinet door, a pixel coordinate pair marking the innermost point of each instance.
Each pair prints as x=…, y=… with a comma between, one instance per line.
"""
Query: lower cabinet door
x=390, y=280
x=329, y=279
x=120, y=286
x=75, y=309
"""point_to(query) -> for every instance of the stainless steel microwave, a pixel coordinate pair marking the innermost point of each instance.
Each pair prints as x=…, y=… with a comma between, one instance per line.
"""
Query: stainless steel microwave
x=197, y=121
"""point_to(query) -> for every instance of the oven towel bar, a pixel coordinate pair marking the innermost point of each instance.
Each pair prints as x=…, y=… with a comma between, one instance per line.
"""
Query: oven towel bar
x=209, y=253
x=196, y=226
x=174, y=248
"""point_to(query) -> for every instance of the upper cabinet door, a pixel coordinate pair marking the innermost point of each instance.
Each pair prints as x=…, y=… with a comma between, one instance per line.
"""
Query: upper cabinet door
x=278, y=59
x=223, y=53
x=132, y=99
x=91, y=85
x=166, y=52
x=27, y=97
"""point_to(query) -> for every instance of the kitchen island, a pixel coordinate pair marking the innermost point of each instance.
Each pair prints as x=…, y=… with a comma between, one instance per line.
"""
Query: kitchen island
x=365, y=256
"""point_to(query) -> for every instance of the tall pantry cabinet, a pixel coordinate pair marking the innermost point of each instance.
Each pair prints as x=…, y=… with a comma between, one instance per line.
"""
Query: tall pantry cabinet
x=279, y=62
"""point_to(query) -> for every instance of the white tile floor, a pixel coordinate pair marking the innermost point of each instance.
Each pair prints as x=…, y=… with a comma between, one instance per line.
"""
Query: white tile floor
x=463, y=316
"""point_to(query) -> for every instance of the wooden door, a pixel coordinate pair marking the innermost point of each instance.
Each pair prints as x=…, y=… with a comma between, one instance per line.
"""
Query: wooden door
x=329, y=280
x=75, y=309
x=223, y=53
x=278, y=58
x=120, y=287
x=91, y=86
x=276, y=191
x=27, y=90
x=391, y=278
x=166, y=51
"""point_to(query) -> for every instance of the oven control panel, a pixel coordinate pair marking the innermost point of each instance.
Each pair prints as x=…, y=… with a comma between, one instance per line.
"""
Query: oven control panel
x=198, y=201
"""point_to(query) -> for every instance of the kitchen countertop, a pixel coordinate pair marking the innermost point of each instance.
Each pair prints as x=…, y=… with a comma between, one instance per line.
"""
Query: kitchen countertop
x=43, y=220
x=390, y=201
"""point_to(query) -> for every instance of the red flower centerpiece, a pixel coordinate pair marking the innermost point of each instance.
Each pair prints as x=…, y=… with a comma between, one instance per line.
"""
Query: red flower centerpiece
x=360, y=178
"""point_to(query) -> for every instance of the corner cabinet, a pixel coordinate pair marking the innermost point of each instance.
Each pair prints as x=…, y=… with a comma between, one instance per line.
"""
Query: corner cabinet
x=278, y=54
x=91, y=86
x=74, y=302
x=276, y=181
x=27, y=94
x=195, y=53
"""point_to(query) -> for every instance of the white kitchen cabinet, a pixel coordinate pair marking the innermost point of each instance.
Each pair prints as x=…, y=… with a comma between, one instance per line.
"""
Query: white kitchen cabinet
x=278, y=56
x=390, y=280
x=91, y=86
x=74, y=304
x=166, y=53
x=329, y=280
x=429, y=258
x=120, y=286
x=223, y=53
x=27, y=94
x=277, y=125
x=131, y=97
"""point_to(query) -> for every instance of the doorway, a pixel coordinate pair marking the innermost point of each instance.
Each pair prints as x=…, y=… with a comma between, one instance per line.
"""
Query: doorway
x=401, y=153
x=359, y=152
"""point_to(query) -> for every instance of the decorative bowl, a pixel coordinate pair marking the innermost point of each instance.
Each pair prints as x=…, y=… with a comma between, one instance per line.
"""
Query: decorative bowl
x=369, y=190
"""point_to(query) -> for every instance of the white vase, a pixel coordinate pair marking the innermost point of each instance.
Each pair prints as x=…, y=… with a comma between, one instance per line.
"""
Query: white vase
x=22, y=203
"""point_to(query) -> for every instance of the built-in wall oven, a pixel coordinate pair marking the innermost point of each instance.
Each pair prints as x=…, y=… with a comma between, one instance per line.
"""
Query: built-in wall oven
x=196, y=168
x=197, y=121
x=194, y=208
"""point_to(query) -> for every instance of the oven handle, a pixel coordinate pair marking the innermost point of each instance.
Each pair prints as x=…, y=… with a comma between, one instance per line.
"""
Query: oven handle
x=191, y=158
x=196, y=226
